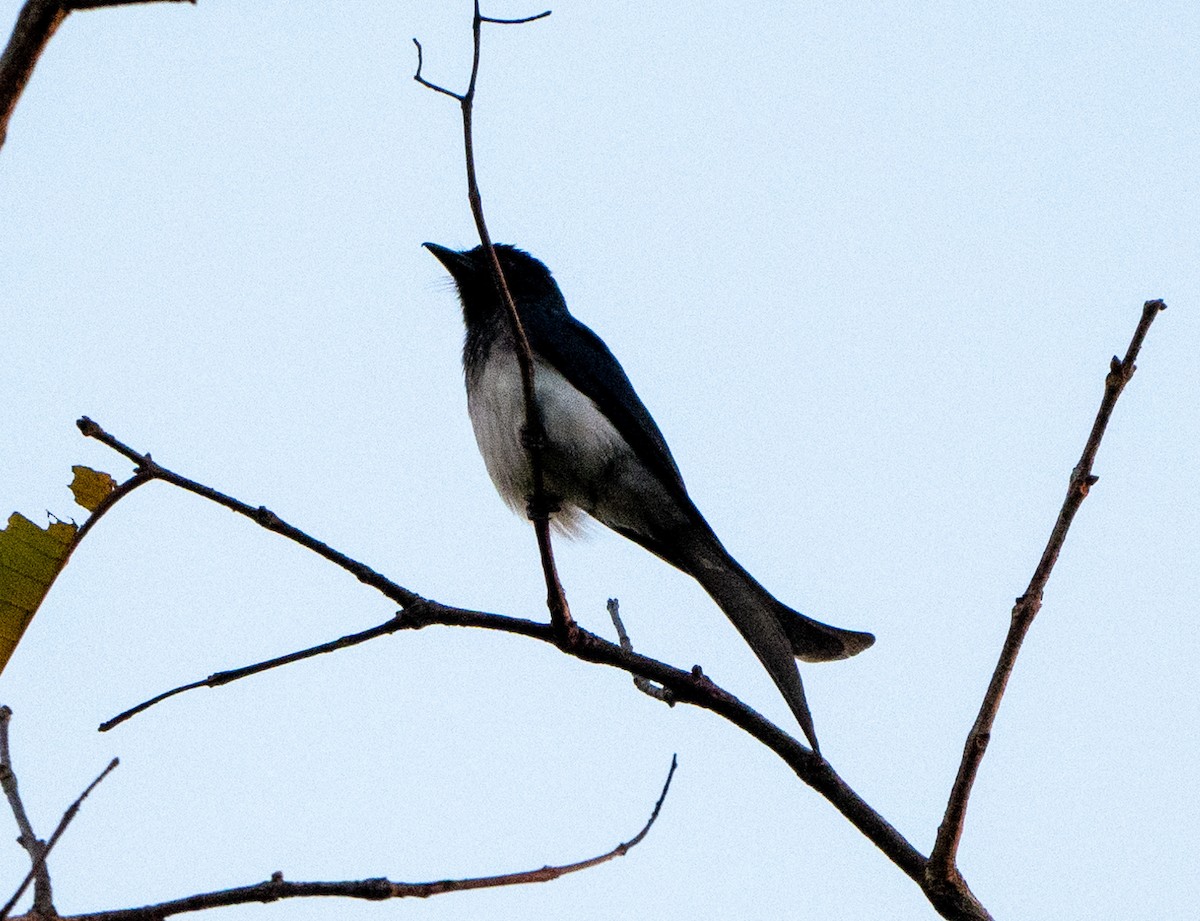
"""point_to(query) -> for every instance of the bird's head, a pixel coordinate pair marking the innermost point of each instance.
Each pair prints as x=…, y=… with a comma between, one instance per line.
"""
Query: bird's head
x=528, y=279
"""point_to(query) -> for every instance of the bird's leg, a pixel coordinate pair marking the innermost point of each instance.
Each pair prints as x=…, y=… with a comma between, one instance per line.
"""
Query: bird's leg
x=541, y=505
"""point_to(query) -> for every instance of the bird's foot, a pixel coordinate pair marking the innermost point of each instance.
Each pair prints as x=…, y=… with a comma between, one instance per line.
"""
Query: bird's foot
x=542, y=508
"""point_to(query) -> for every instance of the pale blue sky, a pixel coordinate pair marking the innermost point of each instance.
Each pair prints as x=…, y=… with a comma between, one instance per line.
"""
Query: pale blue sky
x=865, y=266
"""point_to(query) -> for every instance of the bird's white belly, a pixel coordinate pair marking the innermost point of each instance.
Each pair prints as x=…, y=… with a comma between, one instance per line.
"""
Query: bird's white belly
x=581, y=448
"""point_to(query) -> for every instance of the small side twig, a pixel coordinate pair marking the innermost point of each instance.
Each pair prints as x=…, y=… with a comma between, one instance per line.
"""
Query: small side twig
x=372, y=889
x=228, y=676
x=942, y=873
x=645, y=685
x=515, y=22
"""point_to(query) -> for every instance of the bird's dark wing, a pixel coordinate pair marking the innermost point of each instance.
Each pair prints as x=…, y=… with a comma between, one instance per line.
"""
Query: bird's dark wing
x=580, y=356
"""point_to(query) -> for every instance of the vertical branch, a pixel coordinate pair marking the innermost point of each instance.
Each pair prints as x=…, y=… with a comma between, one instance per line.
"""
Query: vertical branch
x=42, y=895
x=941, y=871
x=534, y=433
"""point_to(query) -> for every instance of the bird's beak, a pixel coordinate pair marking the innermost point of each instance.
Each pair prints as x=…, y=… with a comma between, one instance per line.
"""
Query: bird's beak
x=456, y=263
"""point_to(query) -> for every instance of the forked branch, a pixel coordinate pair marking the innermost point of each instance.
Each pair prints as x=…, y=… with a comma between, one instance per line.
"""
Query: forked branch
x=684, y=686
x=43, y=904
x=938, y=876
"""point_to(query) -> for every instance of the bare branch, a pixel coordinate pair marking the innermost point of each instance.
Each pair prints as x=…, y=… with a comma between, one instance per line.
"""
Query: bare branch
x=262, y=516
x=691, y=687
x=42, y=895
x=425, y=83
x=235, y=674
x=541, y=506
x=371, y=889
x=646, y=687
x=36, y=24
x=39, y=863
x=942, y=869
x=515, y=22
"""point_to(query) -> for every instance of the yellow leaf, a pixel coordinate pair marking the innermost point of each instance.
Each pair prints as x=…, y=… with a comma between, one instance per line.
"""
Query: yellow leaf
x=91, y=486
x=30, y=559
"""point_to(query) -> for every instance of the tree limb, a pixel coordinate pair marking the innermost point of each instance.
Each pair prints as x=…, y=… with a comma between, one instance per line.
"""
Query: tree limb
x=691, y=687
x=42, y=898
x=375, y=890
x=36, y=24
x=942, y=870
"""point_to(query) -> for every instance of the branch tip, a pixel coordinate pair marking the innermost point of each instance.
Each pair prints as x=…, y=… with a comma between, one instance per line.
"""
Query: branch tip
x=515, y=22
x=429, y=84
x=943, y=883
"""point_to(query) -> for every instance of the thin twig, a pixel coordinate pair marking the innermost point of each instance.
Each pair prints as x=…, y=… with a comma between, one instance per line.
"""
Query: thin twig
x=540, y=505
x=40, y=862
x=43, y=899
x=36, y=24
x=427, y=84
x=149, y=469
x=122, y=490
x=371, y=889
x=217, y=679
x=942, y=861
x=647, y=687
x=515, y=22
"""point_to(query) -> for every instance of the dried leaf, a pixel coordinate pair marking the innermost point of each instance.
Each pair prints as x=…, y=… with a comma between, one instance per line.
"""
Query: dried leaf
x=91, y=487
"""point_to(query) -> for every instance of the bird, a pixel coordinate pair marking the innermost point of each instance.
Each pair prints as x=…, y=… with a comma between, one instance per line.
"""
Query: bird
x=604, y=457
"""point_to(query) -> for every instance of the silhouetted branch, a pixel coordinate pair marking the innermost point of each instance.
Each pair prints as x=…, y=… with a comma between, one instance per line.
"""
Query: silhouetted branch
x=426, y=83
x=39, y=862
x=43, y=898
x=692, y=687
x=375, y=890
x=147, y=470
x=942, y=868
x=234, y=674
x=540, y=505
x=512, y=22
x=36, y=24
